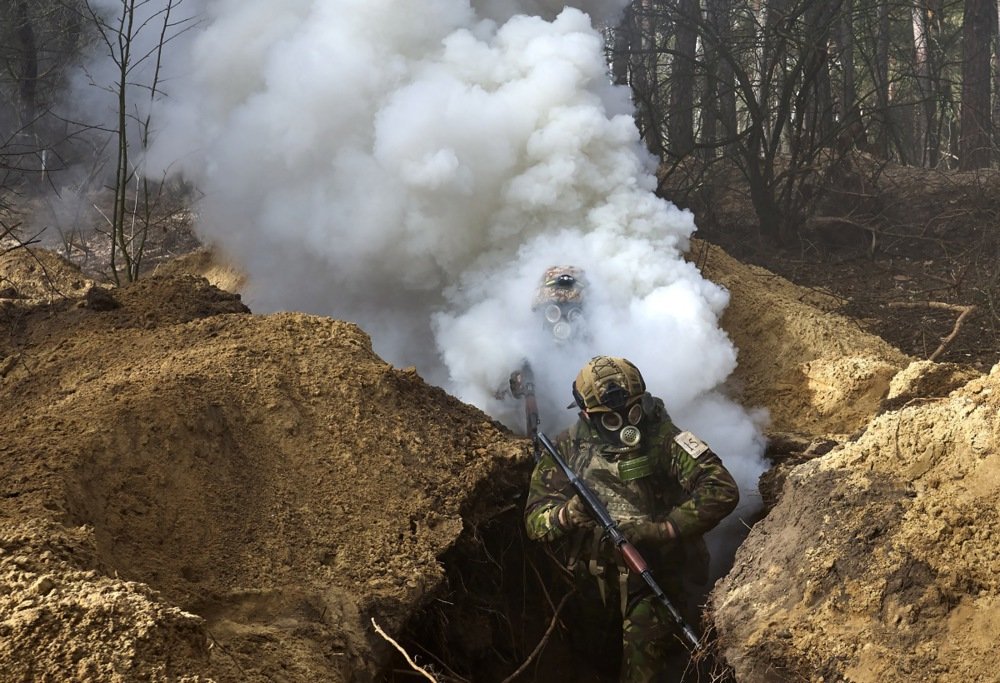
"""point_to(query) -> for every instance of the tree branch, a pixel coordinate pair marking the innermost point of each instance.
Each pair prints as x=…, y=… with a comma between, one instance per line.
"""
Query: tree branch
x=541, y=643
x=963, y=311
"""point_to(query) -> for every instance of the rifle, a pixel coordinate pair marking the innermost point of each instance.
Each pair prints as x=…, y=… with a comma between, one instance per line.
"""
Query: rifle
x=522, y=385
x=629, y=552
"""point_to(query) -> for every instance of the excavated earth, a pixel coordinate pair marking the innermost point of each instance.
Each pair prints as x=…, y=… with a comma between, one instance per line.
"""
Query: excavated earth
x=193, y=492
x=878, y=560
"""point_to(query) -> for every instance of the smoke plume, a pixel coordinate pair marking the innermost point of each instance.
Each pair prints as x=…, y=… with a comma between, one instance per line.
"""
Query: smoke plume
x=415, y=167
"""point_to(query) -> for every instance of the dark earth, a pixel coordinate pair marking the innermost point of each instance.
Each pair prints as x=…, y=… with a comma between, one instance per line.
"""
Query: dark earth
x=906, y=251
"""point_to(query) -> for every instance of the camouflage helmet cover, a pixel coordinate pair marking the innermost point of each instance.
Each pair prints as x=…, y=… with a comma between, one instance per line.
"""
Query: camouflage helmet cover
x=560, y=285
x=606, y=384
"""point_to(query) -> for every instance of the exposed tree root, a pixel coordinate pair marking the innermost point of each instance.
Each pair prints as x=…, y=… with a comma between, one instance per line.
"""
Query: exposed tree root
x=409, y=660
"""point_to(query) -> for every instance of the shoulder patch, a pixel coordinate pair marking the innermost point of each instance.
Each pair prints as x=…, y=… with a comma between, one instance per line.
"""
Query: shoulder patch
x=691, y=444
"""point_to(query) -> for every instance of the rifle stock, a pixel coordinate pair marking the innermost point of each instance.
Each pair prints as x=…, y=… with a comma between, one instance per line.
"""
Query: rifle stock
x=633, y=558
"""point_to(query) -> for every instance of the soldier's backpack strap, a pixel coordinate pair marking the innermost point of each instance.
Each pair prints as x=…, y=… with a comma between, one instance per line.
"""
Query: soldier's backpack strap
x=622, y=584
x=575, y=548
x=596, y=564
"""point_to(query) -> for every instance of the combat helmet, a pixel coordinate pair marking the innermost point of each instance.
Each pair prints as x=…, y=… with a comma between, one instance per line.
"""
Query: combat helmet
x=610, y=393
x=559, y=298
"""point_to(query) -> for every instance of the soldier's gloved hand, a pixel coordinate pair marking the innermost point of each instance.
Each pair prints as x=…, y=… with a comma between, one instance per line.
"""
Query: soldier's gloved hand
x=573, y=514
x=640, y=532
x=516, y=383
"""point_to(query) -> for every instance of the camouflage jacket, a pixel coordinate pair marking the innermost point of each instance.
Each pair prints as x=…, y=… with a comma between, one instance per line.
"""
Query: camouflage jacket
x=679, y=480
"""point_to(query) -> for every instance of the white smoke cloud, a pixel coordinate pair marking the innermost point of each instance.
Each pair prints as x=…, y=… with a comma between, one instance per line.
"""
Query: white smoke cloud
x=415, y=167
x=503, y=10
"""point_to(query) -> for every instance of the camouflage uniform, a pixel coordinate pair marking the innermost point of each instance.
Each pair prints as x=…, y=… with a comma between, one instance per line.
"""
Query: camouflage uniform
x=672, y=476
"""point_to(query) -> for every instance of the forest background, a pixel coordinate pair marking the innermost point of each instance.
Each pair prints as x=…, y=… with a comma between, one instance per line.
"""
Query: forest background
x=792, y=128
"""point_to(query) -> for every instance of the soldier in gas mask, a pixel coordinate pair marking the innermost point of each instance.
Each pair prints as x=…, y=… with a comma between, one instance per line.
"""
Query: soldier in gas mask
x=663, y=486
x=558, y=302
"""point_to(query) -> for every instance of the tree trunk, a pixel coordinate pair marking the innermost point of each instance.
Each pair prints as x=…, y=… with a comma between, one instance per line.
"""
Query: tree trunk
x=28, y=76
x=727, y=77
x=718, y=106
x=881, y=77
x=681, y=116
x=978, y=27
x=845, y=41
x=644, y=82
x=621, y=49
x=763, y=14
x=995, y=19
x=924, y=128
x=760, y=177
x=633, y=63
x=852, y=132
x=711, y=86
x=816, y=98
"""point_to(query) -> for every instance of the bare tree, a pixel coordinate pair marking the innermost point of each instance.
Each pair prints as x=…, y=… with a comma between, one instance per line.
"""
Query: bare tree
x=122, y=34
x=680, y=113
x=718, y=99
x=879, y=73
x=781, y=67
x=784, y=89
x=638, y=38
x=922, y=71
x=39, y=41
x=995, y=83
x=28, y=77
x=978, y=29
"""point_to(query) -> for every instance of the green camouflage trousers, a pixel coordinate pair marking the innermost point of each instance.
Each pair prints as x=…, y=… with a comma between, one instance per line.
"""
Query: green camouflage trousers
x=643, y=647
x=651, y=647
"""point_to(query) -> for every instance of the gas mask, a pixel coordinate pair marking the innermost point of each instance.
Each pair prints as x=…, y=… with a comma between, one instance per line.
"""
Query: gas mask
x=622, y=431
x=564, y=321
x=612, y=396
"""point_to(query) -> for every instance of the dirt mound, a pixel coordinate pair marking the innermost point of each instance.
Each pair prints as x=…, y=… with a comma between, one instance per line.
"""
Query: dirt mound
x=206, y=263
x=813, y=369
x=877, y=561
x=39, y=274
x=880, y=562
x=190, y=492
x=63, y=619
x=174, y=456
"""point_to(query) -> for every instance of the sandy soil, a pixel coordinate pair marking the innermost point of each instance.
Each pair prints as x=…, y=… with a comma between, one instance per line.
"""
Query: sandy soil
x=880, y=561
x=191, y=492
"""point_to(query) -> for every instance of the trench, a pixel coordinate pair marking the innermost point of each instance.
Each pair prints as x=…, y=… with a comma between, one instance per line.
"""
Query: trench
x=506, y=610
x=509, y=611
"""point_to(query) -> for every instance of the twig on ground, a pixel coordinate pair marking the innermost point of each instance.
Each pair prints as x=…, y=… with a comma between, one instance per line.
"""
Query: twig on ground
x=443, y=665
x=963, y=311
x=409, y=660
x=541, y=643
x=216, y=643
